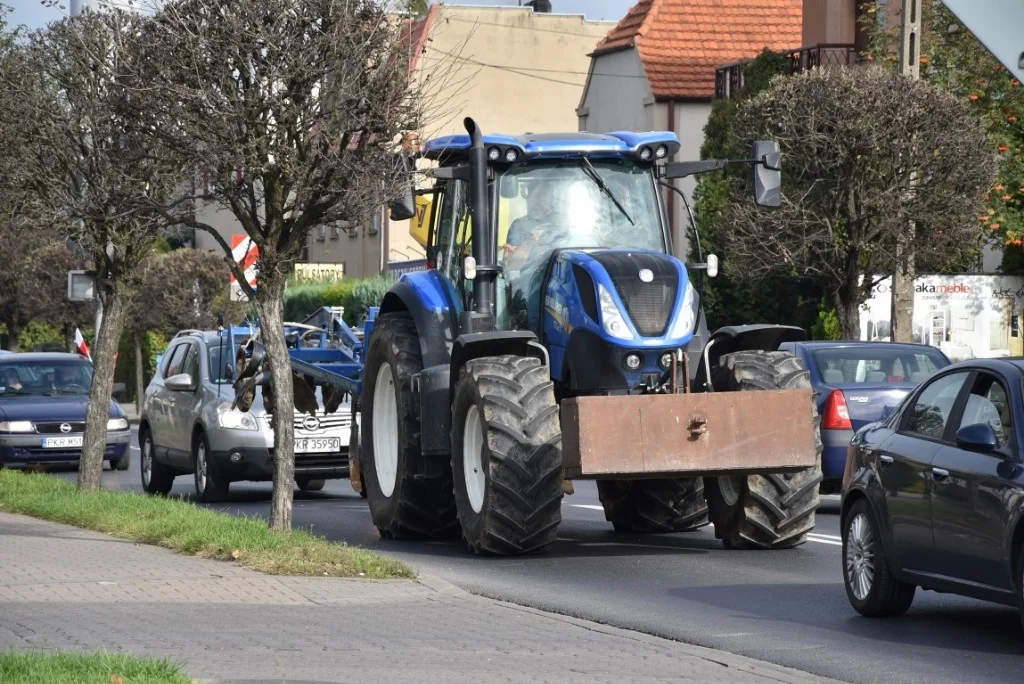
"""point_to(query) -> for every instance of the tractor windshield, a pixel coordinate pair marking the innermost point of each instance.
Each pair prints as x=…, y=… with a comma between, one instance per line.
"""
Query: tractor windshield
x=564, y=205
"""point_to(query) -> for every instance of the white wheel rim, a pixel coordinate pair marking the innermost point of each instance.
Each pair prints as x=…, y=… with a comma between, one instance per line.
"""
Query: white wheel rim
x=860, y=557
x=201, y=467
x=147, y=461
x=730, y=488
x=473, y=458
x=385, y=430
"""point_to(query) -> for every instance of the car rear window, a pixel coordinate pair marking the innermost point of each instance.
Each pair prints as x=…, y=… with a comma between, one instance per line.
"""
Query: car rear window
x=871, y=365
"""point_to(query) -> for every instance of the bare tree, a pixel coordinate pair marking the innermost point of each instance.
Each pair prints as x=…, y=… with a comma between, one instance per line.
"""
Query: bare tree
x=851, y=139
x=91, y=171
x=290, y=111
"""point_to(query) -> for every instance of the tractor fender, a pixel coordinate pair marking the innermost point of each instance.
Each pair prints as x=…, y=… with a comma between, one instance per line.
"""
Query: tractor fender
x=475, y=345
x=734, y=338
x=422, y=296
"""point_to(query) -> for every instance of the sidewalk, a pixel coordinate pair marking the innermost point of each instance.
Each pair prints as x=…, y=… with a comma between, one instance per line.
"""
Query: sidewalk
x=70, y=589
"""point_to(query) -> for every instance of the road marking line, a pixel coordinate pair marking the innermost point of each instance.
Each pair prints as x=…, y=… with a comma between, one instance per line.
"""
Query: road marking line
x=590, y=506
x=825, y=541
x=832, y=537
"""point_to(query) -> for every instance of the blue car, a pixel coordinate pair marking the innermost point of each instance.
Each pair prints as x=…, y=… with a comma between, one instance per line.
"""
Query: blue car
x=43, y=399
x=854, y=384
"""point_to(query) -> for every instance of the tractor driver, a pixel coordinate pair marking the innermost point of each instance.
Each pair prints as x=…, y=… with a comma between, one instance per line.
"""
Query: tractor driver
x=528, y=241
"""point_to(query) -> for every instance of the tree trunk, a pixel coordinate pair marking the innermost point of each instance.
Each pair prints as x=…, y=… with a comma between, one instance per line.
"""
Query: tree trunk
x=90, y=468
x=140, y=371
x=902, y=314
x=848, y=311
x=270, y=305
x=13, y=333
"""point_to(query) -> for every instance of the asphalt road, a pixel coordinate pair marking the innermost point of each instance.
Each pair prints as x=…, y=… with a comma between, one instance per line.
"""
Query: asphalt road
x=786, y=607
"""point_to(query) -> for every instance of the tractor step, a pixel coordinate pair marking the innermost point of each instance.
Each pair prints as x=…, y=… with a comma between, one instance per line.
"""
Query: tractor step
x=657, y=435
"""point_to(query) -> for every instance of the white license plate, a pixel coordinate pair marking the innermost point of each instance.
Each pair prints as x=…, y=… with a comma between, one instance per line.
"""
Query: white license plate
x=61, y=442
x=317, y=445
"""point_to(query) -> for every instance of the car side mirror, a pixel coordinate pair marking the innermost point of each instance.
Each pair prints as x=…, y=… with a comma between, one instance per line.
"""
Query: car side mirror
x=182, y=382
x=980, y=438
x=767, y=173
x=887, y=411
x=118, y=389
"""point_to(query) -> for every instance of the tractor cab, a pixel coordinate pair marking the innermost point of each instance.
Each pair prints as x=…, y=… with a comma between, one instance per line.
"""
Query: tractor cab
x=547, y=193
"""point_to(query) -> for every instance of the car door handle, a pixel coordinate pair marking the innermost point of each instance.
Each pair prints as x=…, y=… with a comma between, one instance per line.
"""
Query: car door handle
x=885, y=460
x=939, y=474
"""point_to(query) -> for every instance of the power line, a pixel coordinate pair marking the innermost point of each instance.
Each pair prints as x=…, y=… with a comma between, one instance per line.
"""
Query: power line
x=526, y=71
x=511, y=70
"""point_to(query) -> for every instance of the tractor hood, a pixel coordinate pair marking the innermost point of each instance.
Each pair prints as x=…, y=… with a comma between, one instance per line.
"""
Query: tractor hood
x=636, y=298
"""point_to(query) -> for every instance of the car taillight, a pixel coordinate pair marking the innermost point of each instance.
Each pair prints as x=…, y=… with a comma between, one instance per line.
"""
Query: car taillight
x=836, y=415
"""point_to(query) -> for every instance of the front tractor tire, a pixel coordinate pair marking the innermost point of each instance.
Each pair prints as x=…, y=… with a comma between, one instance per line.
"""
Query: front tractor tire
x=507, y=455
x=774, y=511
x=404, y=502
x=654, y=506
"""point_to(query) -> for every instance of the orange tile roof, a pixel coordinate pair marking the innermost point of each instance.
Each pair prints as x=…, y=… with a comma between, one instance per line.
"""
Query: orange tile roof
x=680, y=42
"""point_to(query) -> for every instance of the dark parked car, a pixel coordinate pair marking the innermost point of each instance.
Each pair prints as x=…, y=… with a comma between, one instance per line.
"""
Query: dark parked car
x=854, y=384
x=43, y=397
x=933, y=496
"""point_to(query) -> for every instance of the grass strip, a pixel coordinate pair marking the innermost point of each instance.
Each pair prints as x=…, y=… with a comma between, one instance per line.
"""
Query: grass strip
x=189, y=529
x=87, y=668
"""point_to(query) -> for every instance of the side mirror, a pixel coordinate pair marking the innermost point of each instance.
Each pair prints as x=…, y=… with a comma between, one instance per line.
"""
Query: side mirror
x=179, y=383
x=118, y=389
x=980, y=438
x=403, y=207
x=767, y=173
x=712, y=261
x=887, y=411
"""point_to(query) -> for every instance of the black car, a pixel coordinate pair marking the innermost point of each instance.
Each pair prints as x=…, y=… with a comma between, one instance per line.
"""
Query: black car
x=933, y=496
x=43, y=398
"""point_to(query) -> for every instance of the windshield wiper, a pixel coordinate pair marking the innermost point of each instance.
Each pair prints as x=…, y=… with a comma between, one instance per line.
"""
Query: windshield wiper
x=592, y=172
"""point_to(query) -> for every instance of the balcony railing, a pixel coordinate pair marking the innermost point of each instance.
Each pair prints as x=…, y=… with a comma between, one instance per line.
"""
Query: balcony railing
x=729, y=77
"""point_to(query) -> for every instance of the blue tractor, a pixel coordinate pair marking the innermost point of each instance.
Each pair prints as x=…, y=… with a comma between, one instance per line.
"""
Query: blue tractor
x=554, y=337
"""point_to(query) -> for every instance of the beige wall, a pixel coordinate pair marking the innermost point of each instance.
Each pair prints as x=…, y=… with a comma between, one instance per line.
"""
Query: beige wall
x=533, y=81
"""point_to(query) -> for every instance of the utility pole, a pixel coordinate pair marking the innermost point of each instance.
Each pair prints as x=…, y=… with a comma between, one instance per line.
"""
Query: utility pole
x=901, y=319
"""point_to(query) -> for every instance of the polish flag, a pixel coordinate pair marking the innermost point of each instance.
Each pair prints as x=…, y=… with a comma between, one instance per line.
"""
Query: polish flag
x=81, y=345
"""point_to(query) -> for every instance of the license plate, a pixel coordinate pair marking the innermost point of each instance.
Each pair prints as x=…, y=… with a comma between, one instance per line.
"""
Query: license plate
x=61, y=442
x=317, y=445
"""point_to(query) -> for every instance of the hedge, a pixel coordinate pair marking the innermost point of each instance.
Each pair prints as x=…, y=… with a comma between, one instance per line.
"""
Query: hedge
x=356, y=295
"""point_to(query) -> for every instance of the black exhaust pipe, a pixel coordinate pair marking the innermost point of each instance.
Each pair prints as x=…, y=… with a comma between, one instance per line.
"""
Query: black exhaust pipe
x=485, y=247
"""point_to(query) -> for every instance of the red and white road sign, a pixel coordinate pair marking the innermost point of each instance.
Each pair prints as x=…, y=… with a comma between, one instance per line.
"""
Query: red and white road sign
x=245, y=253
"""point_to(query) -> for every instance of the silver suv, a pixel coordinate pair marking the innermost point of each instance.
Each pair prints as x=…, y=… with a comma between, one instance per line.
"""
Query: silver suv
x=187, y=426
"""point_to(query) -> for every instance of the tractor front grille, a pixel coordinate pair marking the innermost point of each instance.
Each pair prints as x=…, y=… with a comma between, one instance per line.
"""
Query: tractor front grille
x=649, y=305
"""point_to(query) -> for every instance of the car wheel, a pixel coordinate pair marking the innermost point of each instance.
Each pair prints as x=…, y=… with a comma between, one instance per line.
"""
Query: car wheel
x=210, y=484
x=310, y=484
x=157, y=478
x=872, y=589
x=122, y=463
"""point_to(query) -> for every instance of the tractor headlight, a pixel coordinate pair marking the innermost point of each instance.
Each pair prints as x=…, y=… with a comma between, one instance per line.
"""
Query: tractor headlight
x=687, y=315
x=611, y=318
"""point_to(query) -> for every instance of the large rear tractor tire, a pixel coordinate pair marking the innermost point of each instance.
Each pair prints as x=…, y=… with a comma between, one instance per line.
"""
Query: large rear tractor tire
x=774, y=511
x=507, y=455
x=404, y=503
x=654, y=506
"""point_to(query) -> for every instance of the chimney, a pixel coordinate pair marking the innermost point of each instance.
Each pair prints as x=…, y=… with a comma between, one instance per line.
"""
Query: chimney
x=540, y=5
